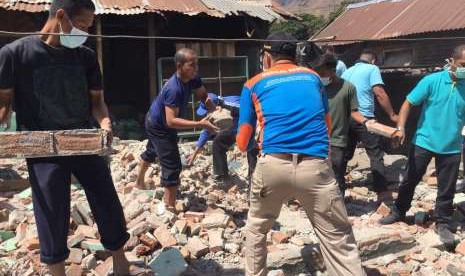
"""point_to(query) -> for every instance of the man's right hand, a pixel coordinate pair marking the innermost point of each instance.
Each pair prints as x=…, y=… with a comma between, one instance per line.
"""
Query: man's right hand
x=398, y=138
x=205, y=123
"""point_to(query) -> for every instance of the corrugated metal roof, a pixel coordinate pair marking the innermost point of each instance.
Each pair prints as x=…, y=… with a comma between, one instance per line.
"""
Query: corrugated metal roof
x=262, y=9
x=394, y=18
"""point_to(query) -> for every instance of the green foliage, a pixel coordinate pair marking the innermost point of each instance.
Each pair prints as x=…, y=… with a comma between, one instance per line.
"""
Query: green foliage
x=301, y=29
x=310, y=24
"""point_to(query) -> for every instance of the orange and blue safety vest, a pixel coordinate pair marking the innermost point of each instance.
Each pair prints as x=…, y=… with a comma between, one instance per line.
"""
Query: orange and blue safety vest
x=291, y=108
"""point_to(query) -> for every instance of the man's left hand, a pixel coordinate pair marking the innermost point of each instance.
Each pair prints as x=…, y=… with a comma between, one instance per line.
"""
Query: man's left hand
x=108, y=129
x=394, y=118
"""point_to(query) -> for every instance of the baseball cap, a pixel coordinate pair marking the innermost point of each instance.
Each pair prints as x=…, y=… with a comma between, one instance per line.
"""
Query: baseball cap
x=285, y=44
x=202, y=109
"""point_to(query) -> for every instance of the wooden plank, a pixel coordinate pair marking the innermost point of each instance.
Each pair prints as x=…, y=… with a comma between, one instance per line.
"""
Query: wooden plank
x=206, y=49
x=152, y=58
x=98, y=27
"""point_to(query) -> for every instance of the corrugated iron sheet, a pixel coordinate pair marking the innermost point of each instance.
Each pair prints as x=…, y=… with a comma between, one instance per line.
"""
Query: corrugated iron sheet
x=262, y=9
x=395, y=18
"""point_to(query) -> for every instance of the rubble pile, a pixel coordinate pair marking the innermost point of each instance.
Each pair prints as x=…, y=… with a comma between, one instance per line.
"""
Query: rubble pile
x=206, y=234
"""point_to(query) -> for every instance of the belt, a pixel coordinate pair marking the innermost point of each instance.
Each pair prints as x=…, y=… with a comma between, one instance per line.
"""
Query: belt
x=295, y=157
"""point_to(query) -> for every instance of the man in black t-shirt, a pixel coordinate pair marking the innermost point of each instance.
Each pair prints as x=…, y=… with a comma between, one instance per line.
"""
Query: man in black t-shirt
x=56, y=84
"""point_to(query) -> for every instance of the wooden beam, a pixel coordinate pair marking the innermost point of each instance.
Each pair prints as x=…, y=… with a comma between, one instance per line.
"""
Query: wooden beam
x=152, y=57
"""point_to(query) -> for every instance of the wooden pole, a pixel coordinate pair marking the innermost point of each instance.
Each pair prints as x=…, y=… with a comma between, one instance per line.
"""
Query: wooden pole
x=152, y=57
x=98, y=26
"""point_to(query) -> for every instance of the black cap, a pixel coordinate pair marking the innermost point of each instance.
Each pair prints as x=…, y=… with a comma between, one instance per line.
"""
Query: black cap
x=286, y=44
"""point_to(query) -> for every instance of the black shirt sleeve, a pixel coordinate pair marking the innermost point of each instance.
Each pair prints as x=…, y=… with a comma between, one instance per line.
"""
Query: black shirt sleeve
x=93, y=72
x=7, y=74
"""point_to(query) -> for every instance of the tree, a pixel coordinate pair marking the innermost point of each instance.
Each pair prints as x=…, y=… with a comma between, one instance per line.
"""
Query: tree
x=302, y=29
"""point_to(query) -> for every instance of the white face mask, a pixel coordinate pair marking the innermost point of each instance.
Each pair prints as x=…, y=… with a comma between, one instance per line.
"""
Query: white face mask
x=326, y=81
x=72, y=41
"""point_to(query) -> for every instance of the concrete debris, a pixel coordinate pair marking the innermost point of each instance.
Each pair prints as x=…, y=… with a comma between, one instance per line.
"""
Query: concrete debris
x=169, y=263
x=206, y=234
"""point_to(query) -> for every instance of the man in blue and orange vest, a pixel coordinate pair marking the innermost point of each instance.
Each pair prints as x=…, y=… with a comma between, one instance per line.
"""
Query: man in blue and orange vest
x=291, y=108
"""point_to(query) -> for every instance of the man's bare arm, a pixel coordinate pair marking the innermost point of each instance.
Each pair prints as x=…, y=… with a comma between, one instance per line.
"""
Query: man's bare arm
x=384, y=101
x=100, y=109
x=173, y=121
x=6, y=100
x=202, y=95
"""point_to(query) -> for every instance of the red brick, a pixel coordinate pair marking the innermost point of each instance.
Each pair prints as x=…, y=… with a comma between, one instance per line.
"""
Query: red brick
x=383, y=210
x=142, y=250
x=460, y=248
x=181, y=226
x=279, y=237
x=164, y=236
x=197, y=247
x=148, y=241
x=233, y=190
x=31, y=244
x=87, y=231
x=104, y=268
x=215, y=240
x=75, y=270
x=195, y=216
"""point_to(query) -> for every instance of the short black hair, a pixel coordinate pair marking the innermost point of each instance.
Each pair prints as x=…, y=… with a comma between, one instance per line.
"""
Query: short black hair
x=458, y=51
x=368, y=53
x=327, y=61
x=71, y=7
x=182, y=55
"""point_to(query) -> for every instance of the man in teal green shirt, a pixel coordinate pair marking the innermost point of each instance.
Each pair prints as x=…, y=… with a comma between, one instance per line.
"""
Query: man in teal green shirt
x=438, y=135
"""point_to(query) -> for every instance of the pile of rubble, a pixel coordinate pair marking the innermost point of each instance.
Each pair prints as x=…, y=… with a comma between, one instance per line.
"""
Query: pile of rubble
x=206, y=234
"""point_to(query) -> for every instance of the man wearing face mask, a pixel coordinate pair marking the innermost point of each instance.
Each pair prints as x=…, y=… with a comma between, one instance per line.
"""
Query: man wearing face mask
x=438, y=135
x=343, y=105
x=290, y=105
x=366, y=77
x=56, y=84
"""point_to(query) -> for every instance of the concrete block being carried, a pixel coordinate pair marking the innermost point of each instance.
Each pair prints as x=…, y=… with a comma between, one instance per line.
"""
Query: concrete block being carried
x=380, y=129
x=30, y=144
x=221, y=118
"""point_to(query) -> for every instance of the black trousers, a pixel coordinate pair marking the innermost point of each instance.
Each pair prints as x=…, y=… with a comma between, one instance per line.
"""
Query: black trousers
x=371, y=142
x=164, y=145
x=221, y=143
x=339, y=165
x=447, y=167
x=50, y=182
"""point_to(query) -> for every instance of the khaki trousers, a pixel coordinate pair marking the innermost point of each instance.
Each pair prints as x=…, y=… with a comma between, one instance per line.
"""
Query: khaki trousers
x=312, y=183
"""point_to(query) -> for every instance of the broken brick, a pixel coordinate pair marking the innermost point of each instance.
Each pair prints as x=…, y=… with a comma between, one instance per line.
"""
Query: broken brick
x=164, y=236
x=148, y=241
x=215, y=240
x=180, y=226
x=87, y=231
x=197, y=247
x=279, y=237
x=383, y=210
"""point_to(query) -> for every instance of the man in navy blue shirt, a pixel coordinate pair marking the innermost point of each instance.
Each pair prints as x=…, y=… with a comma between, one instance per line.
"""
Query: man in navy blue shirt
x=165, y=117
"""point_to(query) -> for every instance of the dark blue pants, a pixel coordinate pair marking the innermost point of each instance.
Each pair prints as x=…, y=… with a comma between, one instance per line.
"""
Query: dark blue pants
x=447, y=167
x=372, y=143
x=50, y=181
x=164, y=146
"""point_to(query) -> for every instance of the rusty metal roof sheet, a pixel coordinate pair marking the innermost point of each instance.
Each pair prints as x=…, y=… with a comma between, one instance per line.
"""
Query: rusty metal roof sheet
x=380, y=19
x=262, y=9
